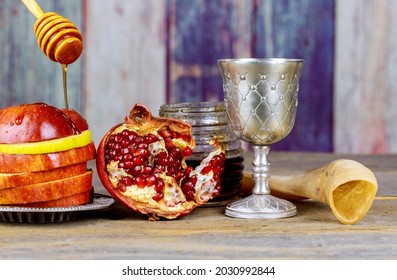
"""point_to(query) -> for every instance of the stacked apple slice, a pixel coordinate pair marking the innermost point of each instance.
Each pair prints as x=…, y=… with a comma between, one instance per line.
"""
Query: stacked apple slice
x=43, y=157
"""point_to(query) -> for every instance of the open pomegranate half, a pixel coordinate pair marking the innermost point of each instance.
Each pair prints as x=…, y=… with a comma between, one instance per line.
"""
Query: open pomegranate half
x=141, y=162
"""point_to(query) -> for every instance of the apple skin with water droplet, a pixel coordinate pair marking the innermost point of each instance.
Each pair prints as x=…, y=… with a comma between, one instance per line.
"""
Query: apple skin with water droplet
x=41, y=179
x=34, y=122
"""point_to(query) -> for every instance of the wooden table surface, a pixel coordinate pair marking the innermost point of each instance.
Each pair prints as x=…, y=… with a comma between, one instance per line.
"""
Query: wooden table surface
x=116, y=233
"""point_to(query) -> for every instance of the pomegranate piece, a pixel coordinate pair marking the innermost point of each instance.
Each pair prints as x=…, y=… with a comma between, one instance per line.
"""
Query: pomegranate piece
x=141, y=162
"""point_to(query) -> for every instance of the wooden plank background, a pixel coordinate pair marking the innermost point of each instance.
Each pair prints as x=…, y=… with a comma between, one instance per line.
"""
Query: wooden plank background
x=365, y=77
x=160, y=51
x=26, y=75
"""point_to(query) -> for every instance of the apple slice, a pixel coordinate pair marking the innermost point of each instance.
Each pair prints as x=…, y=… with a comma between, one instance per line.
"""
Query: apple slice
x=47, y=191
x=18, y=163
x=48, y=146
x=11, y=180
x=73, y=200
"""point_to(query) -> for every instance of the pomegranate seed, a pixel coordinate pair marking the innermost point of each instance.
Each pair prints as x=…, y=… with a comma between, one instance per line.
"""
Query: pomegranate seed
x=187, y=152
x=141, y=152
x=207, y=169
x=174, y=135
x=127, y=164
x=125, y=133
x=193, y=179
x=136, y=170
x=127, y=157
x=216, y=177
x=121, y=187
x=143, y=145
x=180, y=175
x=147, y=170
x=171, y=160
x=119, y=157
x=168, y=143
x=117, y=146
x=162, y=158
x=188, y=185
x=124, y=143
x=159, y=169
x=139, y=139
x=159, y=185
x=137, y=161
x=189, y=195
x=118, y=138
x=217, y=169
x=188, y=170
x=132, y=136
x=150, y=138
x=127, y=181
x=218, y=160
x=176, y=152
x=151, y=180
x=113, y=153
x=184, y=136
x=140, y=181
x=165, y=133
x=158, y=196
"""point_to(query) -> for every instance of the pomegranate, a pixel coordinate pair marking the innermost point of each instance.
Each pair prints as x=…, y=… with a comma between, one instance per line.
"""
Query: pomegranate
x=141, y=162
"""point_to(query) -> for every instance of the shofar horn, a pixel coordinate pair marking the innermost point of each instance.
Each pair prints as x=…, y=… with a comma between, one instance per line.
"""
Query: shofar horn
x=347, y=186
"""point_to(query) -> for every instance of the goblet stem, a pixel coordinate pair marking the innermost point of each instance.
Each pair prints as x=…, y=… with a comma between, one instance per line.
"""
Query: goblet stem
x=261, y=170
x=261, y=204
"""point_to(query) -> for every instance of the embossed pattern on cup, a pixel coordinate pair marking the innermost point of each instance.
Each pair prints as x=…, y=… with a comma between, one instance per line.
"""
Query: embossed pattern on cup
x=261, y=96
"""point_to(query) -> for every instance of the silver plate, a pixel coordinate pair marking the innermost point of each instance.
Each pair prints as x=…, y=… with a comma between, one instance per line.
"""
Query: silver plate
x=52, y=214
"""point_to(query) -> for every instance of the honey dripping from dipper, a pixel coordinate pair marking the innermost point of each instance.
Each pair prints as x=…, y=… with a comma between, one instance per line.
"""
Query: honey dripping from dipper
x=58, y=38
x=65, y=86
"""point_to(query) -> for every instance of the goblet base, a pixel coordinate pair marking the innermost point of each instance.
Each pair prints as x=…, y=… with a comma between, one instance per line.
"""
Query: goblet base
x=260, y=206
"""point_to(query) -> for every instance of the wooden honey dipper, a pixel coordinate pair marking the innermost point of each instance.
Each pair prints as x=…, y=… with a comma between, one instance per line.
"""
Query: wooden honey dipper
x=58, y=37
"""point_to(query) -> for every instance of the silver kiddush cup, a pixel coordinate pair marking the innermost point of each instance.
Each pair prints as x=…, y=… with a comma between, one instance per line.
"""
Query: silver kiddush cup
x=261, y=98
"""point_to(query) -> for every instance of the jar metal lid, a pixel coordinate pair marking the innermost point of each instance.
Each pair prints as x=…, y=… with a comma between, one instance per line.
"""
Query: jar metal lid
x=193, y=107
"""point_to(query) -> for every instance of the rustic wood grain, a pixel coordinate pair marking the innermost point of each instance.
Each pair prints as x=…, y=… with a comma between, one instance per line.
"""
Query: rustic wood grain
x=124, y=60
x=257, y=28
x=26, y=74
x=206, y=233
x=165, y=51
x=365, y=100
x=302, y=29
x=200, y=32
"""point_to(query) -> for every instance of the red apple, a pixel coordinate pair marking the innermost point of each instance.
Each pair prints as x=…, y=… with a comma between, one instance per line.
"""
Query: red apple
x=47, y=191
x=73, y=200
x=14, y=163
x=43, y=156
x=10, y=180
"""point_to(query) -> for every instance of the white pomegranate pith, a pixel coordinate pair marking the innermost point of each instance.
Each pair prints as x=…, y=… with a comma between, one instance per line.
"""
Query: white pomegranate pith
x=146, y=166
